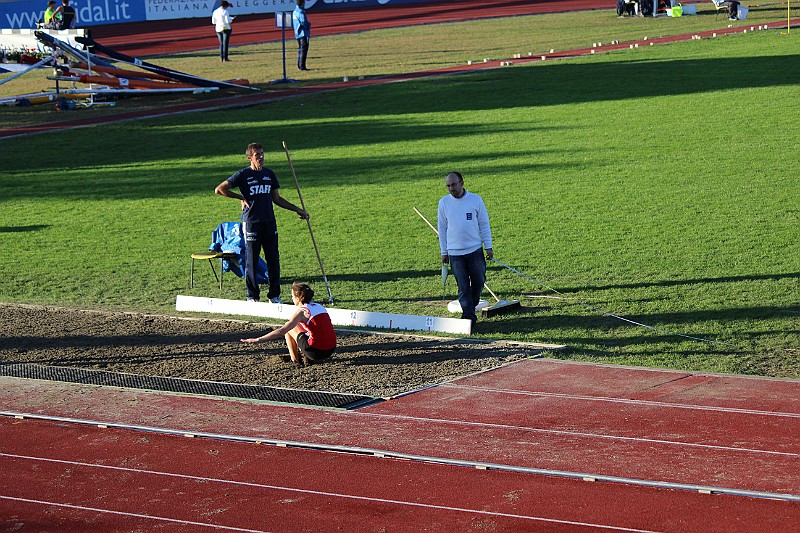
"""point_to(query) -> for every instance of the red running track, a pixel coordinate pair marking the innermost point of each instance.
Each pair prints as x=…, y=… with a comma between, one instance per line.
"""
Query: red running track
x=170, y=36
x=655, y=431
x=76, y=478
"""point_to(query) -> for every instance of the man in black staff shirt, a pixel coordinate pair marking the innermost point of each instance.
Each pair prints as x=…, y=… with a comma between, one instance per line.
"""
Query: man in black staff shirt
x=259, y=190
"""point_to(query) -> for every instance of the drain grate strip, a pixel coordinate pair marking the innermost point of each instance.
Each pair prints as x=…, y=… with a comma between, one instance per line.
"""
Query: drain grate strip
x=187, y=386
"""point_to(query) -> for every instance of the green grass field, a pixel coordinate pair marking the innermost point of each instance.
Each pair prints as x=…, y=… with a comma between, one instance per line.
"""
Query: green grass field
x=377, y=53
x=659, y=184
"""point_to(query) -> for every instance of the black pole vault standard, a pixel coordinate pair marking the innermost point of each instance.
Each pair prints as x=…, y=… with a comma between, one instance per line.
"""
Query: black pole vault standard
x=303, y=205
x=80, y=55
x=150, y=67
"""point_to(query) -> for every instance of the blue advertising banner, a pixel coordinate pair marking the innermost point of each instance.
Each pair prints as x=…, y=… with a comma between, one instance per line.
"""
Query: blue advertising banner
x=174, y=9
x=15, y=14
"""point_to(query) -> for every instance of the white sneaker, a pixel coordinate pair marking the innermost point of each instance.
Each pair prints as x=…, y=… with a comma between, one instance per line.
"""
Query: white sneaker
x=276, y=300
x=252, y=299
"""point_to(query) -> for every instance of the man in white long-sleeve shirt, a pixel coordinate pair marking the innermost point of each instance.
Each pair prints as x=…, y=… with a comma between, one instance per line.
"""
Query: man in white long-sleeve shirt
x=463, y=234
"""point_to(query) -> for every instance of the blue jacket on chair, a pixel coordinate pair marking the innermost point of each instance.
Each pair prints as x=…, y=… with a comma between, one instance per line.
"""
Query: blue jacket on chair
x=227, y=237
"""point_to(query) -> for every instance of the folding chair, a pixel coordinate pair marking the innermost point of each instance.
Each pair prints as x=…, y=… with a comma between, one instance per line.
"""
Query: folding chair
x=227, y=245
x=211, y=255
x=721, y=7
x=227, y=233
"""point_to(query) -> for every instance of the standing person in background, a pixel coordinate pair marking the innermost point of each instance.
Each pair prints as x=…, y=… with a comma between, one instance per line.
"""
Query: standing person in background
x=65, y=17
x=733, y=9
x=49, y=13
x=309, y=333
x=222, y=25
x=259, y=190
x=302, y=32
x=463, y=233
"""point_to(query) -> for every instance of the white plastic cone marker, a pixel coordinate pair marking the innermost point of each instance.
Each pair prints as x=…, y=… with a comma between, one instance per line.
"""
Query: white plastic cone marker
x=455, y=307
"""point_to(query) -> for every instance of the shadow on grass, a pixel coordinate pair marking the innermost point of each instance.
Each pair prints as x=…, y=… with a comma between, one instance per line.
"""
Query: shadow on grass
x=668, y=327
x=23, y=229
x=338, y=120
x=378, y=277
x=674, y=283
x=639, y=285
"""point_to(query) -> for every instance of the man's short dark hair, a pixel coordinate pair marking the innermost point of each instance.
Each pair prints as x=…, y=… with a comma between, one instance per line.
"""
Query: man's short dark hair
x=456, y=174
x=251, y=149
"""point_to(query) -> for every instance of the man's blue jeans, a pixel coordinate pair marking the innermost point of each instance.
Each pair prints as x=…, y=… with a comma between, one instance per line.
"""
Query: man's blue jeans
x=470, y=273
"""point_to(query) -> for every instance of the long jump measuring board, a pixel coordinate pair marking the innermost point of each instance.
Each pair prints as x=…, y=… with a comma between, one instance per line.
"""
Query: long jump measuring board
x=339, y=317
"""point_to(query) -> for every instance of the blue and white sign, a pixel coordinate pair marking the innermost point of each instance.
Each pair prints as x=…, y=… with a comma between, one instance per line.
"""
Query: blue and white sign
x=15, y=14
x=175, y=9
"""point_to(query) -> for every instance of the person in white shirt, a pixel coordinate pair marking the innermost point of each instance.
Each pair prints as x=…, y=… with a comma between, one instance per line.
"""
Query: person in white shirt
x=464, y=233
x=222, y=24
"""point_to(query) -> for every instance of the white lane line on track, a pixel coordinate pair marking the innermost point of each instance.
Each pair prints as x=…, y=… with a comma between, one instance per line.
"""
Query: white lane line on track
x=626, y=401
x=576, y=433
x=132, y=515
x=374, y=452
x=288, y=489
